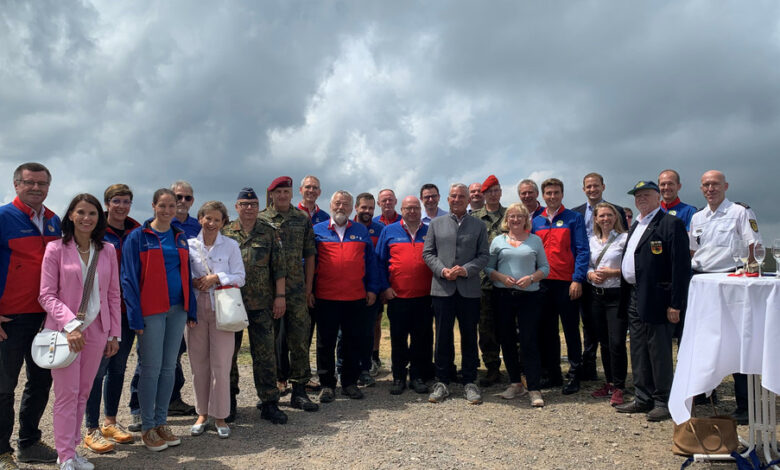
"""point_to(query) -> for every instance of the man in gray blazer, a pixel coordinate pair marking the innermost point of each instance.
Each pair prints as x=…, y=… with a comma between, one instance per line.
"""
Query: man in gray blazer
x=456, y=250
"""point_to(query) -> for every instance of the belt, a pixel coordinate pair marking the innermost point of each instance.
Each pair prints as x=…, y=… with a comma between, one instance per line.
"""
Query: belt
x=514, y=292
x=604, y=290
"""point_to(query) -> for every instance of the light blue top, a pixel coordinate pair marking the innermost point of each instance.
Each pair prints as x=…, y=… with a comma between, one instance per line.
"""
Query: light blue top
x=519, y=261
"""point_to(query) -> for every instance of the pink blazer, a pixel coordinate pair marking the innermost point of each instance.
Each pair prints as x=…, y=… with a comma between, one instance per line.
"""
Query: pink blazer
x=62, y=286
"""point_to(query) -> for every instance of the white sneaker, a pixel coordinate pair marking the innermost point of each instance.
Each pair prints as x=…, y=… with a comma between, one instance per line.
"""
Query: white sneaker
x=514, y=390
x=472, y=394
x=78, y=463
x=439, y=393
x=69, y=464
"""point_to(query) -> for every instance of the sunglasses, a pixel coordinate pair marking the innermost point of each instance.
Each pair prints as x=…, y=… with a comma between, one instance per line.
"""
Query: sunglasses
x=184, y=197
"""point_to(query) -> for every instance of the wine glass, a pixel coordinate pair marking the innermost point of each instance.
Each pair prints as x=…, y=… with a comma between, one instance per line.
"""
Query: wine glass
x=776, y=254
x=744, y=254
x=735, y=247
x=759, y=253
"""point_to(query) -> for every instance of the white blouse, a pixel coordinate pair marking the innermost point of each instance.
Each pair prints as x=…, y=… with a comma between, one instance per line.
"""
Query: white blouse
x=223, y=259
x=611, y=259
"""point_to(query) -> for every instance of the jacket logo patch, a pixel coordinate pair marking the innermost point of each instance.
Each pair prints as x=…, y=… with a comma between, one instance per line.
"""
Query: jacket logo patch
x=559, y=223
x=754, y=225
x=656, y=247
x=50, y=228
x=351, y=237
x=371, y=231
x=672, y=212
x=183, y=242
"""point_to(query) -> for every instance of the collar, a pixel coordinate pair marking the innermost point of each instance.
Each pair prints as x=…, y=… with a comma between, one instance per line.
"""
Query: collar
x=306, y=209
x=646, y=220
x=670, y=205
x=456, y=218
x=591, y=206
x=388, y=222
x=332, y=226
x=29, y=211
x=723, y=207
x=217, y=241
x=557, y=213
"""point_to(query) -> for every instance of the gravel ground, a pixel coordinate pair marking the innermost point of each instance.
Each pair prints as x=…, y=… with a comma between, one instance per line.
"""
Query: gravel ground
x=388, y=432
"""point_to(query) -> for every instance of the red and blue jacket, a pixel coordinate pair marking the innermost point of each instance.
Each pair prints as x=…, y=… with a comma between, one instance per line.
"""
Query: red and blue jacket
x=317, y=216
x=380, y=219
x=345, y=269
x=565, y=244
x=680, y=210
x=113, y=238
x=21, y=253
x=401, y=263
x=374, y=230
x=144, y=280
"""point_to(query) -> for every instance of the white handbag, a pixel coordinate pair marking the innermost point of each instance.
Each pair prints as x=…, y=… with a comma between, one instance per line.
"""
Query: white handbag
x=229, y=307
x=50, y=350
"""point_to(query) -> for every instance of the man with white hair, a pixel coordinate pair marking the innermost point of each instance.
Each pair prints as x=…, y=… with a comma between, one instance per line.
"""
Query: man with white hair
x=347, y=281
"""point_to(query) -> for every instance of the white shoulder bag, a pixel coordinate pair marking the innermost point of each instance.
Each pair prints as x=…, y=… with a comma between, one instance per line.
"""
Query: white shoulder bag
x=228, y=304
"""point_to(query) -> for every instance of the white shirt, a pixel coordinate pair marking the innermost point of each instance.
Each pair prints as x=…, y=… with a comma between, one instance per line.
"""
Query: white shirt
x=712, y=231
x=223, y=259
x=611, y=258
x=551, y=215
x=340, y=230
x=628, y=268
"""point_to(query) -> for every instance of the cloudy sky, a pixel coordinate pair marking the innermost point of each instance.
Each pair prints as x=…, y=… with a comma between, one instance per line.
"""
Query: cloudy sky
x=369, y=95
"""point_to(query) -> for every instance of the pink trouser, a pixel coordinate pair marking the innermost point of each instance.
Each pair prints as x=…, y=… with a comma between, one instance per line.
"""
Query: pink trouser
x=72, y=385
x=211, y=352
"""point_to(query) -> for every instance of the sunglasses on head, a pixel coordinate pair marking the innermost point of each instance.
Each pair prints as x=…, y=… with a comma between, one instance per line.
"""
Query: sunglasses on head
x=185, y=197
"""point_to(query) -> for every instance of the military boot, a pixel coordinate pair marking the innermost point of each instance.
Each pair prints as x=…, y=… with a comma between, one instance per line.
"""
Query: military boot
x=272, y=413
x=300, y=399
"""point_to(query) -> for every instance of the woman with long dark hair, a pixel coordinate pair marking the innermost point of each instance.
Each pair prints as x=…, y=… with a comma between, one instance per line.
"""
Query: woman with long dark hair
x=159, y=297
x=80, y=293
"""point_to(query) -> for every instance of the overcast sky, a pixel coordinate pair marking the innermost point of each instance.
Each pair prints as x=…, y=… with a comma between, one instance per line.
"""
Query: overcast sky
x=368, y=95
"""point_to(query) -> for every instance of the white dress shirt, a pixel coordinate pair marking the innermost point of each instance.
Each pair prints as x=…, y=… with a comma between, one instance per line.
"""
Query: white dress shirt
x=628, y=268
x=223, y=258
x=611, y=258
x=712, y=232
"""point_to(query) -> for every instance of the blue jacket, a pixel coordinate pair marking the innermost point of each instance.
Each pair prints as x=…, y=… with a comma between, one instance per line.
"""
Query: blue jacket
x=345, y=269
x=144, y=282
x=565, y=244
x=680, y=210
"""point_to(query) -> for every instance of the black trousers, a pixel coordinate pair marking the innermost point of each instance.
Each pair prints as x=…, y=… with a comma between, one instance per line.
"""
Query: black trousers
x=651, y=358
x=15, y=352
x=591, y=335
x=611, y=330
x=557, y=304
x=466, y=311
x=411, y=337
x=519, y=310
x=333, y=315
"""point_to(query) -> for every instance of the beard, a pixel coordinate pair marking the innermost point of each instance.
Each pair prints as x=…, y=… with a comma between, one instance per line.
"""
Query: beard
x=340, y=218
x=364, y=218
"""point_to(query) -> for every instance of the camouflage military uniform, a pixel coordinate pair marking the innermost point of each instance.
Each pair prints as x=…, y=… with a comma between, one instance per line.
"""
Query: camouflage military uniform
x=263, y=258
x=488, y=332
x=295, y=230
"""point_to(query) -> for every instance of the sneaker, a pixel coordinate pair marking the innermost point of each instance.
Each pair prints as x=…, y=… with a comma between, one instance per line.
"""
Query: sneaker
x=164, y=431
x=37, y=453
x=135, y=426
x=116, y=433
x=179, y=408
x=617, y=397
x=472, y=394
x=419, y=386
x=79, y=463
x=439, y=394
x=69, y=464
x=514, y=390
x=365, y=379
x=352, y=392
x=604, y=392
x=7, y=461
x=327, y=395
x=270, y=411
x=398, y=387
x=376, y=364
x=97, y=443
x=536, y=398
x=153, y=441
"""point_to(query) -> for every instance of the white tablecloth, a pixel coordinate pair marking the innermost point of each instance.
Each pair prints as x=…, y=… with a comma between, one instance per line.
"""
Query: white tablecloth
x=732, y=325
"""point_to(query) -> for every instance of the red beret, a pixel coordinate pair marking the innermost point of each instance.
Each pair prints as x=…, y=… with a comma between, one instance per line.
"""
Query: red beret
x=490, y=181
x=280, y=182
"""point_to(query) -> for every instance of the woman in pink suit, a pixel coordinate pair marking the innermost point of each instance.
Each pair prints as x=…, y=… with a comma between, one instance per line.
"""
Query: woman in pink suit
x=92, y=332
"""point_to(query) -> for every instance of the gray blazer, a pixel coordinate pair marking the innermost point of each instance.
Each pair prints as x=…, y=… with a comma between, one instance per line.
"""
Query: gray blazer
x=448, y=245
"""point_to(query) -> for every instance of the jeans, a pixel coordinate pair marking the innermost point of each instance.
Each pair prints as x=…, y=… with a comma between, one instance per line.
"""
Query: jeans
x=466, y=311
x=333, y=315
x=158, y=348
x=113, y=370
x=611, y=330
x=15, y=351
x=556, y=303
x=519, y=310
x=411, y=337
x=178, y=377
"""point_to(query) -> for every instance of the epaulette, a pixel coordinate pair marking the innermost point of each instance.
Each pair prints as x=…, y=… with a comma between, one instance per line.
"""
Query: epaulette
x=743, y=205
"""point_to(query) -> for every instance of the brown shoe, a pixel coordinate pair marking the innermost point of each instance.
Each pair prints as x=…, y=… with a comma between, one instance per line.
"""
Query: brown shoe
x=165, y=433
x=116, y=433
x=153, y=441
x=95, y=442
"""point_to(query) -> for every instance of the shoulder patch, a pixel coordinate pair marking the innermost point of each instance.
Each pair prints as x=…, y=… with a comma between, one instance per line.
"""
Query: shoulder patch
x=743, y=205
x=754, y=225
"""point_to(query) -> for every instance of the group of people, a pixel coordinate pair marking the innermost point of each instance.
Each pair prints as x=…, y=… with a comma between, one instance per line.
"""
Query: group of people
x=508, y=275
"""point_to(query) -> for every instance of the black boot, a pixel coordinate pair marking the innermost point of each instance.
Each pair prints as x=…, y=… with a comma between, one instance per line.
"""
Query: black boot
x=272, y=413
x=300, y=399
x=233, y=405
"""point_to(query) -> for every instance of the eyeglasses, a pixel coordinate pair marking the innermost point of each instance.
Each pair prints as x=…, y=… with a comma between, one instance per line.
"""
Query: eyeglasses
x=248, y=205
x=185, y=197
x=121, y=202
x=433, y=196
x=32, y=184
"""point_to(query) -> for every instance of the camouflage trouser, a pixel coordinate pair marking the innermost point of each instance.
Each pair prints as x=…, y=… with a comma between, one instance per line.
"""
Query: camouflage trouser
x=261, y=344
x=297, y=324
x=488, y=333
